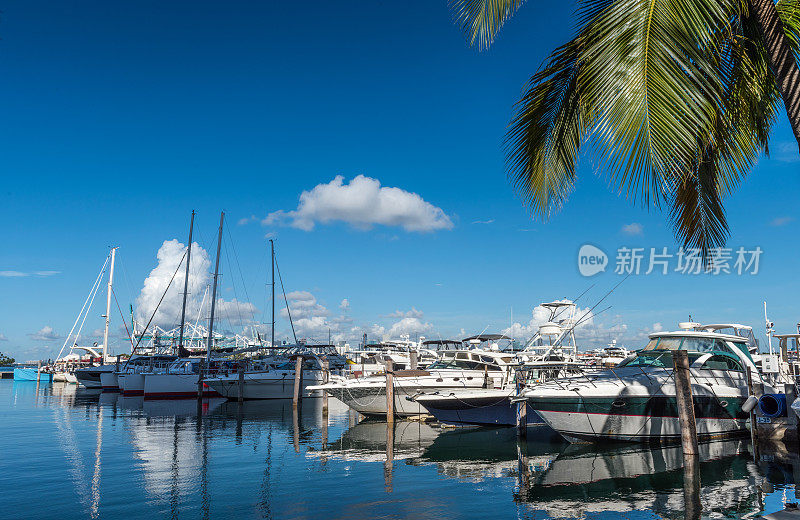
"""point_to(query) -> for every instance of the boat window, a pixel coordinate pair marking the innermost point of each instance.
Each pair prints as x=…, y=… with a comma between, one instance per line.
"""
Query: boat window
x=462, y=355
x=487, y=359
x=507, y=359
x=476, y=357
x=722, y=362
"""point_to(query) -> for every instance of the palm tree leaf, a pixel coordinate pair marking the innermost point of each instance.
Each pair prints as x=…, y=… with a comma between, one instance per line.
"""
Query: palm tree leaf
x=650, y=75
x=546, y=133
x=480, y=20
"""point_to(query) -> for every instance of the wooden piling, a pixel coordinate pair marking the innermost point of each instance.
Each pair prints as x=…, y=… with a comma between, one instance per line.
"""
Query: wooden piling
x=522, y=408
x=240, y=393
x=389, y=392
x=413, y=361
x=38, y=371
x=298, y=380
x=683, y=396
x=753, y=425
x=326, y=374
x=200, y=380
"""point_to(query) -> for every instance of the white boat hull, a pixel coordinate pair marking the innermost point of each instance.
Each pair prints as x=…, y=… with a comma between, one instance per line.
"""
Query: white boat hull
x=131, y=383
x=173, y=386
x=109, y=381
x=266, y=385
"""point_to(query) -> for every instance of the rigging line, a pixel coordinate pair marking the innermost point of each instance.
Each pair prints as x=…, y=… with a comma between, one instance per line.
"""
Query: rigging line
x=85, y=315
x=123, y=317
x=283, y=289
x=144, y=331
x=93, y=289
x=237, y=307
x=241, y=273
x=598, y=303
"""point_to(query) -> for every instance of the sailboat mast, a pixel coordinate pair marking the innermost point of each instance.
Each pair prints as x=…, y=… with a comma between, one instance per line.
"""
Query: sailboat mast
x=186, y=281
x=108, y=304
x=272, y=253
x=214, y=291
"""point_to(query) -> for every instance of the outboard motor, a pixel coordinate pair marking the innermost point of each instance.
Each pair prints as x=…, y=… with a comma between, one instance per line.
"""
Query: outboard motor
x=772, y=405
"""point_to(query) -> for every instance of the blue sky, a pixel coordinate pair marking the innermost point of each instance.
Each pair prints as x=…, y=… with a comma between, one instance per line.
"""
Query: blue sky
x=118, y=120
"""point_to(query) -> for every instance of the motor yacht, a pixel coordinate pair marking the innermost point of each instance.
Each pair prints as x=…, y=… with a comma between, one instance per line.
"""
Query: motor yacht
x=636, y=401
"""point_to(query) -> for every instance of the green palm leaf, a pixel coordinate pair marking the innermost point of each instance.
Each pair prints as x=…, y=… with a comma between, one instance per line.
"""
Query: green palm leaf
x=480, y=20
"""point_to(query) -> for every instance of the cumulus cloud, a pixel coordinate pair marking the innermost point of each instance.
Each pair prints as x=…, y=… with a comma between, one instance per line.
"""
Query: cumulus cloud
x=409, y=325
x=362, y=203
x=46, y=333
x=634, y=228
x=345, y=305
x=540, y=315
x=169, y=257
x=657, y=327
x=313, y=320
x=3, y=337
x=781, y=221
x=413, y=313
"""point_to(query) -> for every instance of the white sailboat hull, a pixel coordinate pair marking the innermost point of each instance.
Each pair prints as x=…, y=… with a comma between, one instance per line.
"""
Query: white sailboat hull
x=266, y=385
x=173, y=386
x=131, y=383
x=109, y=381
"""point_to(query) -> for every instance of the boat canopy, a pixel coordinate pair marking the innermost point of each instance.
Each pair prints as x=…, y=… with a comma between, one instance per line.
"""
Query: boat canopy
x=485, y=337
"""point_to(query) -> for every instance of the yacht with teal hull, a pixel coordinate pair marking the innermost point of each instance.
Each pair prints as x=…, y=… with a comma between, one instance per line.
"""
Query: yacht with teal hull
x=636, y=400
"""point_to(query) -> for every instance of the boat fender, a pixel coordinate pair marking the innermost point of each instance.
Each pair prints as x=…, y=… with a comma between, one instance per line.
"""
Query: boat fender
x=750, y=404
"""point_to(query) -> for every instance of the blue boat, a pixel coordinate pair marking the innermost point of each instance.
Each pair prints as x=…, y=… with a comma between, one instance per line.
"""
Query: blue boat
x=30, y=374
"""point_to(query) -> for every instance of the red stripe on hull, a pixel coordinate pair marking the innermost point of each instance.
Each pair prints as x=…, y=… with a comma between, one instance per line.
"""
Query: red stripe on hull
x=179, y=395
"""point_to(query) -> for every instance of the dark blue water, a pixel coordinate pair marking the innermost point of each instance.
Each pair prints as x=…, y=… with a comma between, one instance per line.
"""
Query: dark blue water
x=72, y=453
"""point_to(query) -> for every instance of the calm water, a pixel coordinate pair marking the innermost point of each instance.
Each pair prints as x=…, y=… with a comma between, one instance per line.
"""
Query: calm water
x=72, y=453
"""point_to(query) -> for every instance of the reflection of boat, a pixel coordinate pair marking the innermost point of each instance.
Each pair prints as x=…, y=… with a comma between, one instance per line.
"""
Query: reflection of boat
x=367, y=441
x=582, y=480
x=636, y=401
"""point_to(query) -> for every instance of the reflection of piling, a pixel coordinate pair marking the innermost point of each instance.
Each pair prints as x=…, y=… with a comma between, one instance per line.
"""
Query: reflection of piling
x=296, y=428
x=524, y=469
x=388, y=466
x=298, y=381
x=389, y=392
x=683, y=396
x=241, y=382
x=326, y=374
x=691, y=487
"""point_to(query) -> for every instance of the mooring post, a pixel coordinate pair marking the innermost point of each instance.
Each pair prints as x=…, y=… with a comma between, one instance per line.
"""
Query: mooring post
x=683, y=396
x=522, y=408
x=389, y=392
x=791, y=394
x=38, y=370
x=298, y=380
x=486, y=376
x=326, y=373
x=200, y=380
x=241, y=382
x=413, y=361
x=753, y=425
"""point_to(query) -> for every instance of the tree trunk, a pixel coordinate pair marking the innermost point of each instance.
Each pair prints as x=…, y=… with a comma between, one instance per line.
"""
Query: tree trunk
x=781, y=59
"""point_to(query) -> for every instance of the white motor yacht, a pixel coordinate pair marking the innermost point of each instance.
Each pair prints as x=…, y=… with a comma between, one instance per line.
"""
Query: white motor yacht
x=636, y=401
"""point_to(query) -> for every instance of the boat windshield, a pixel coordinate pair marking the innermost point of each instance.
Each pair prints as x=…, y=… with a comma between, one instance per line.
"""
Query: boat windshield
x=460, y=364
x=655, y=358
x=688, y=343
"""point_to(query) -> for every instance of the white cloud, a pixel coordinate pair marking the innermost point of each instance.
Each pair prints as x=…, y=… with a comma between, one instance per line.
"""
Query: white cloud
x=634, y=228
x=169, y=256
x=657, y=327
x=20, y=274
x=362, y=203
x=409, y=325
x=785, y=152
x=781, y=221
x=3, y=337
x=345, y=305
x=46, y=333
x=246, y=220
x=488, y=221
x=413, y=313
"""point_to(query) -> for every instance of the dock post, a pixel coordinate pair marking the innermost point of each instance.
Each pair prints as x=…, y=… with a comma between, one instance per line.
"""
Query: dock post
x=791, y=394
x=38, y=370
x=522, y=408
x=241, y=382
x=753, y=425
x=413, y=361
x=298, y=380
x=200, y=380
x=683, y=396
x=326, y=376
x=389, y=392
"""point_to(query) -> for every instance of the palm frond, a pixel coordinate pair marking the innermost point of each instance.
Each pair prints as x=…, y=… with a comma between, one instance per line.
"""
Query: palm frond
x=480, y=20
x=789, y=11
x=651, y=75
x=546, y=133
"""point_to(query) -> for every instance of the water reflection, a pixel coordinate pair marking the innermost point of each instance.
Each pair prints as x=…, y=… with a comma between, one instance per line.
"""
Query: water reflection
x=188, y=458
